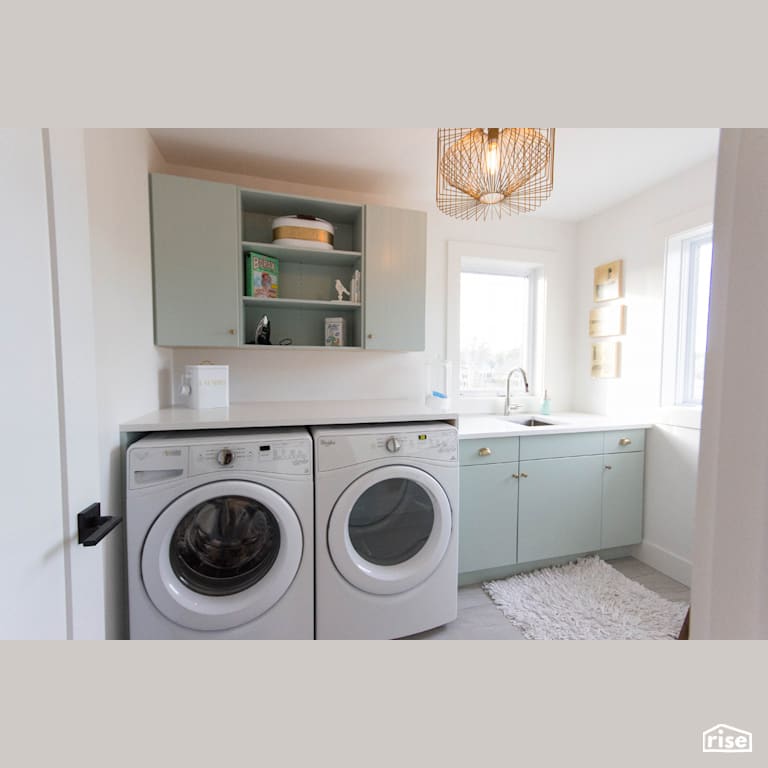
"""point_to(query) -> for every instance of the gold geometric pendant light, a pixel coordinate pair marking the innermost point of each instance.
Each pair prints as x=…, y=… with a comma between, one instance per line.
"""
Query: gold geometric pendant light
x=484, y=172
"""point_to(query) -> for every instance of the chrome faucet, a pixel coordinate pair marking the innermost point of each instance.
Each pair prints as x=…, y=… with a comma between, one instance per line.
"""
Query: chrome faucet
x=507, y=406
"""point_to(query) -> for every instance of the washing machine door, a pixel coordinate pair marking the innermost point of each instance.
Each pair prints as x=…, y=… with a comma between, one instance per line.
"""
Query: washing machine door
x=221, y=555
x=390, y=529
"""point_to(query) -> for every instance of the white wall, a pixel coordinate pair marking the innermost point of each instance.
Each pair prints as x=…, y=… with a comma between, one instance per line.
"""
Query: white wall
x=636, y=231
x=730, y=579
x=270, y=375
x=132, y=372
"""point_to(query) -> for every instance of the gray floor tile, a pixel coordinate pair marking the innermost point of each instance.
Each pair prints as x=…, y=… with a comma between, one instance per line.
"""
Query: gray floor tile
x=472, y=596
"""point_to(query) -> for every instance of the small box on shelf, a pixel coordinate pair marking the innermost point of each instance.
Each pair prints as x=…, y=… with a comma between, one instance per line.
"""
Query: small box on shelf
x=335, y=332
x=261, y=276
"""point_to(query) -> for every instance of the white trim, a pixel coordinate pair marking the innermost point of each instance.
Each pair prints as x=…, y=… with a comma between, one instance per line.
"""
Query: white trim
x=663, y=560
x=679, y=301
x=688, y=416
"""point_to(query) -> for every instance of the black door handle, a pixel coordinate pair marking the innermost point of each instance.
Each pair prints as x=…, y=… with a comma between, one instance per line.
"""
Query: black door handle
x=92, y=527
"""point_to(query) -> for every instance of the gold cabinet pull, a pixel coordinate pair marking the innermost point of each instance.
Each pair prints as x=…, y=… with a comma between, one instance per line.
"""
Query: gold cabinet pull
x=485, y=451
x=608, y=466
x=625, y=441
x=523, y=474
x=515, y=475
x=232, y=331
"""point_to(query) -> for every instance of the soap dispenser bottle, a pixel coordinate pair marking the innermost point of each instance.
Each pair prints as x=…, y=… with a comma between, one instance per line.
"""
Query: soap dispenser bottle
x=546, y=405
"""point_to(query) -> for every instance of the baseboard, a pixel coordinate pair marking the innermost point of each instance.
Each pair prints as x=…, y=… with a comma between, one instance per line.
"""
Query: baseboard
x=663, y=560
x=468, y=578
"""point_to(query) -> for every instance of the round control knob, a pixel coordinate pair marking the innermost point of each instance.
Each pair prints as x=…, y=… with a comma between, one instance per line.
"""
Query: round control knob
x=225, y=457
x=393, y=445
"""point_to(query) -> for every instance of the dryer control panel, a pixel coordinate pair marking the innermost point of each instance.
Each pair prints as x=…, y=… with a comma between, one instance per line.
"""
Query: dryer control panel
x=430, y=442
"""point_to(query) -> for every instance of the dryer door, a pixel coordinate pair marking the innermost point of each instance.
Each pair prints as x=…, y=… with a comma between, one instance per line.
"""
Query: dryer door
x=221, y=555
x=390, y=529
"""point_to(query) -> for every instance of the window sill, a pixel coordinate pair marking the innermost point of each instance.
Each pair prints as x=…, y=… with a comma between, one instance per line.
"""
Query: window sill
x=688, y=416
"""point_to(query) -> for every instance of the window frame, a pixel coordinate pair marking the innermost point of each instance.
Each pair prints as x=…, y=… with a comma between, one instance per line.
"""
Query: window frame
x=679, y=330
x=496, y=257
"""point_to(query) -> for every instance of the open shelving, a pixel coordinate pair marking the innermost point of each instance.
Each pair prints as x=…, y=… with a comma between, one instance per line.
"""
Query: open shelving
x=307, y=275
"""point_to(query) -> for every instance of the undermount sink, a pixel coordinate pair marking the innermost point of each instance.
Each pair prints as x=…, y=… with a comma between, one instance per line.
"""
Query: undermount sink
x=528, y=421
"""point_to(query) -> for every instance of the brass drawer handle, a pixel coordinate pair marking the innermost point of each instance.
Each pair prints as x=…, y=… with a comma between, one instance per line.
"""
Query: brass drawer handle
x=485, y=451
x=608, y=466
x=515, y=475
x=625, y=441
x=523, y=474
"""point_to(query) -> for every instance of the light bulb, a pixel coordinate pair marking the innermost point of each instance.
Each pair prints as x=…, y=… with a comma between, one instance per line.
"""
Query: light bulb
x=492, y=151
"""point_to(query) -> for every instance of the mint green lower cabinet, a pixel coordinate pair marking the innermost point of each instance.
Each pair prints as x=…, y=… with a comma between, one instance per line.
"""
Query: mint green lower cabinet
x=488, y=516
x=622, y=499
x=559, y=507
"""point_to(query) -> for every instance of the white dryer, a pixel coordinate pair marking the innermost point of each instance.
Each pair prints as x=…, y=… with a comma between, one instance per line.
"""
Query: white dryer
x=219, y=535
x=386, y=512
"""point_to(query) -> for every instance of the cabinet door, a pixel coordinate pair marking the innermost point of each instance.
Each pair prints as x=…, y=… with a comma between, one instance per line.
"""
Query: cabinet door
x=559, y=507
x=622, y=499
x=395, y=278
x=196, y=257
x=487, y=517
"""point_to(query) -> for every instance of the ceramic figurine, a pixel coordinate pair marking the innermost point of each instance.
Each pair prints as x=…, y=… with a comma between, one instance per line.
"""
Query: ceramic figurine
x=340, y=289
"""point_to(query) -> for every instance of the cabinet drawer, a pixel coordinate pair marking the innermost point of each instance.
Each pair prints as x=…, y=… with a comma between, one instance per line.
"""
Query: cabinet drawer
x=501, y=449
x=556, y=446
x=615, y=442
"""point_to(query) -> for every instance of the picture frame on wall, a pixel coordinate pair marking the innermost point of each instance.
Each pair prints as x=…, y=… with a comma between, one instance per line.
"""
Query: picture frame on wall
x=606, y=360
x=608, y=321
x=609, y=281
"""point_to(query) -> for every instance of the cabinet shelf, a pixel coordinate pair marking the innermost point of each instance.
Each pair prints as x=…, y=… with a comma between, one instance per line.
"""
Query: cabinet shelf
x=304, y=255
x=297, y=347
x=341, y=306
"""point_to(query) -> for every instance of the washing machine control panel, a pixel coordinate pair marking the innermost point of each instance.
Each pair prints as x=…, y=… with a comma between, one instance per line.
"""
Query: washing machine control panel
x=283, y=457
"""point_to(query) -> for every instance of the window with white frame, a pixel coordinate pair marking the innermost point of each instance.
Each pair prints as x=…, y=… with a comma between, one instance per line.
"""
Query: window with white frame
x=686, y=311
x=495, y=328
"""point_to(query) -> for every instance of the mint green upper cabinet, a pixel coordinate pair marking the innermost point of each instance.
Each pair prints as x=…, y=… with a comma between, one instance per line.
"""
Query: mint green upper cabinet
x=559, y=507
x=195, y=258
x=622, y=499
x=395, y=278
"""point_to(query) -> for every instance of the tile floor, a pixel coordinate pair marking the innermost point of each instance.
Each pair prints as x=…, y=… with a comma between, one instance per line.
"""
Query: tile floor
x=480, y=619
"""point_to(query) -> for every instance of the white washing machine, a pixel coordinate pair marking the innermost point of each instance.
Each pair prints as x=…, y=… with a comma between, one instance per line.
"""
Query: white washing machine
x=386, y=522
x=220, y=535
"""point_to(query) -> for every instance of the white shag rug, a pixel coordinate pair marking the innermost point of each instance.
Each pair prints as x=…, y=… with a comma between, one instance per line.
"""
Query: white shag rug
x=585, y=600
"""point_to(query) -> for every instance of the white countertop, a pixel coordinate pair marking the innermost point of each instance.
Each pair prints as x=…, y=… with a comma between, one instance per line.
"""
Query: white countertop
x=495, y=425
x=286, y=414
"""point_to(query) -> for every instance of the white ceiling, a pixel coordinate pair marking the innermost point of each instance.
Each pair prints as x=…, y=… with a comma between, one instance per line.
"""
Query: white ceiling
x=594, y=167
